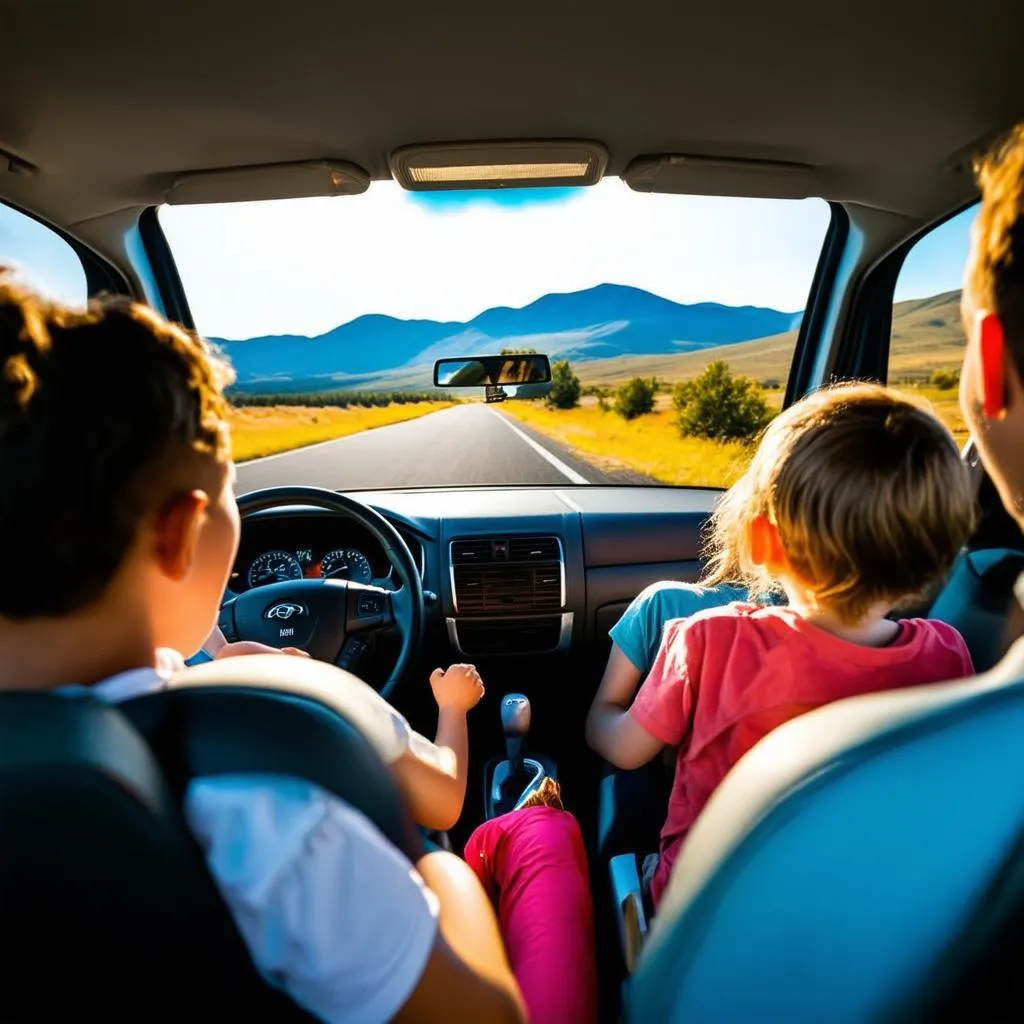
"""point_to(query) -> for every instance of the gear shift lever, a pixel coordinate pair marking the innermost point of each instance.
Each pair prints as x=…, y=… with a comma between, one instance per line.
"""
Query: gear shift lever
x=515, y=723
x=513, y=780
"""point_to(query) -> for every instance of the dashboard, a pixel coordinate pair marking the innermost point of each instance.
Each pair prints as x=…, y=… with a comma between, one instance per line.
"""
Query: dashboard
x=310, y=546
x=508, y=571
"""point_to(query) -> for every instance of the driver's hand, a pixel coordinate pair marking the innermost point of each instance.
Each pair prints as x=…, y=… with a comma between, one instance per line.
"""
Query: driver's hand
x=243, y=647
x=460, y=687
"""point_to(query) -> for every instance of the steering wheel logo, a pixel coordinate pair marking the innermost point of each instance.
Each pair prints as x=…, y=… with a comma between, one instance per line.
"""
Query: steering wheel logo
x=285, y=610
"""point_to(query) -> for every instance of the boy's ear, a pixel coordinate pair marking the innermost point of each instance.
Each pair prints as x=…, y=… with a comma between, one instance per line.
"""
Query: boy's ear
x=992, y=358
x=178, y=527
x=765, y=546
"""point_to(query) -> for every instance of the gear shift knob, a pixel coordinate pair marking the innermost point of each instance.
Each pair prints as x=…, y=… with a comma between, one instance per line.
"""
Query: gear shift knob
x=515, y=723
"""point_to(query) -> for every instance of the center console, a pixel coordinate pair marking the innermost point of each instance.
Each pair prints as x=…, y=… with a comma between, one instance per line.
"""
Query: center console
x=510, y=781
x=508, y=595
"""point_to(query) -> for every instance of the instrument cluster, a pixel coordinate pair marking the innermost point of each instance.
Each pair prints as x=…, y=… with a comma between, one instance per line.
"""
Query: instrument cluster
x=278, y=565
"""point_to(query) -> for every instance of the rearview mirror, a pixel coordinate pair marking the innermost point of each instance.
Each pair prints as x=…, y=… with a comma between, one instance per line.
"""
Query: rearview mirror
x=492, y=372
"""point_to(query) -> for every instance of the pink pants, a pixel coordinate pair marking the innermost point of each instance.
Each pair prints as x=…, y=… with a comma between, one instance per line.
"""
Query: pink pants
x=533, y=865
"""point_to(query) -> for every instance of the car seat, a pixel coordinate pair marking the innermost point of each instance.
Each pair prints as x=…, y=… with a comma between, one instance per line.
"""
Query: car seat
x=978, y=600
x=834, y=871
x=107, y=910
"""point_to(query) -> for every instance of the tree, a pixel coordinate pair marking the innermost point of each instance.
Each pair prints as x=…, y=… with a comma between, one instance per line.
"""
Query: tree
x=720, y=406
x=945, y=380
x=635, y=398
x=565, y=386
x=518, y=352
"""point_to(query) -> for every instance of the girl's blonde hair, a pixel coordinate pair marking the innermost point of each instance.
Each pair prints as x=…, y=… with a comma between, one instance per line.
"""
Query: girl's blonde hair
x=869, y=495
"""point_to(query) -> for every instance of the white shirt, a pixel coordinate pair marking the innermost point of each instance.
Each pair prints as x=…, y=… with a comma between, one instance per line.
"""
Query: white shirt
x=331, y=912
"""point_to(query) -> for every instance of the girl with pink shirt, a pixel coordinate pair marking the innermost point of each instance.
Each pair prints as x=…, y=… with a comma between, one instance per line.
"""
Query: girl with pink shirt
x=855, y=503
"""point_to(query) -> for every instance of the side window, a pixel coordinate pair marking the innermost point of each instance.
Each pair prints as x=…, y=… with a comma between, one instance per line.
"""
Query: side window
x=41, y=258
x=926, y=346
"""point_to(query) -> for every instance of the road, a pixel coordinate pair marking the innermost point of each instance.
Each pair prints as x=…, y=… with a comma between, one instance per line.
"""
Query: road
x=463, y=445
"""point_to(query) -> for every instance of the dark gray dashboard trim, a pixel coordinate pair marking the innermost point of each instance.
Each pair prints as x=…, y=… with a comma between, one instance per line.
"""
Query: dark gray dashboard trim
x=614, y=539
x=564, y=637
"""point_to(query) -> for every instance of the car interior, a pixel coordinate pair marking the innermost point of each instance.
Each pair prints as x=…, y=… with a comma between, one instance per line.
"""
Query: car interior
x=841, y=870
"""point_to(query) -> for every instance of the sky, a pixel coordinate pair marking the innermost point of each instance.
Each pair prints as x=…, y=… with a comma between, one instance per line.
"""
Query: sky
x=303, y=266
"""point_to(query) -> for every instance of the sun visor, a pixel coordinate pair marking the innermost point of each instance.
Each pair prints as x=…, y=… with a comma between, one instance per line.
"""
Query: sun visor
x=269, y=181
x=723, y=176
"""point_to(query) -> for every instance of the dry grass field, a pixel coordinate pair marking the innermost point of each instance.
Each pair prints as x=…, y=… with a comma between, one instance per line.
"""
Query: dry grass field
x=264, y=430
x=651, y=444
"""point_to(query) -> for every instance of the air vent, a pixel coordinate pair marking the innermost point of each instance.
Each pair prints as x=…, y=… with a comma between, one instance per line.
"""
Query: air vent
x=507, y=589
x=466, y=552
x=500, y=576
x=484, y=550
x=533, y=549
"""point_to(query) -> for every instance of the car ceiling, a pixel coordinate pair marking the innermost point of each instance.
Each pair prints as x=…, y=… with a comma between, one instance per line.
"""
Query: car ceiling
x=112, y=101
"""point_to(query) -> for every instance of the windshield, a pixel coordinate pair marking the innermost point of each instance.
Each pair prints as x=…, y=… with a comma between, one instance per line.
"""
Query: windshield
x=669, y=322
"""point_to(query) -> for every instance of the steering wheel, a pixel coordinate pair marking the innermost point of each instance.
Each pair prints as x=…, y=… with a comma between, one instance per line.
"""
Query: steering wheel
x=332, y=619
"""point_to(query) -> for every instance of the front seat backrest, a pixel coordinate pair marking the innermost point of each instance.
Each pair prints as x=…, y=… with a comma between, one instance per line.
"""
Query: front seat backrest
x=273, y=715
x=107, y=911
x=835, y=864
x=978, y=601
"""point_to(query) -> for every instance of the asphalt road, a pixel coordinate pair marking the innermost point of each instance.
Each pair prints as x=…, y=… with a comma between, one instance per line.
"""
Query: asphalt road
x=463, y=445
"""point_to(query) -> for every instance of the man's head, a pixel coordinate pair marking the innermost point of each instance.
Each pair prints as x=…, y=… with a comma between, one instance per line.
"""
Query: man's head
x=856, y=499
x=117, y=479
x=992, y=306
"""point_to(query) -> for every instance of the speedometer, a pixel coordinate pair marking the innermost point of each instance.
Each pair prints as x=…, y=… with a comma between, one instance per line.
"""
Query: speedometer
x=347, y=563
x=273, y=567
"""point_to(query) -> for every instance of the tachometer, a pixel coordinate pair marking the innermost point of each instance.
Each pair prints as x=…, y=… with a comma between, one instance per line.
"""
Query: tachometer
x=273, y=567
x=347, y=563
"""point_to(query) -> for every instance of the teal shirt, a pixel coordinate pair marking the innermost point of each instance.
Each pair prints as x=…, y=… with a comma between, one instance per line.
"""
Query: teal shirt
x=638, y=633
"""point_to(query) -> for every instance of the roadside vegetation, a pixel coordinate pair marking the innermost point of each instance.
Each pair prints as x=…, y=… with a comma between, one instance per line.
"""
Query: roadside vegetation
x=340, y=399
x=258, y=429
x=698, y=432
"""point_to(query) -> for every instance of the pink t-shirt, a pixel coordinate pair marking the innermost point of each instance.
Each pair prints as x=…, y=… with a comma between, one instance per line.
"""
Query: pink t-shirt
x=724, y=678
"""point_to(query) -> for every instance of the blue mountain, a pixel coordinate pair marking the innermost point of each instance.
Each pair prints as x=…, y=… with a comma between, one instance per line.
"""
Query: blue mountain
x=599, y=323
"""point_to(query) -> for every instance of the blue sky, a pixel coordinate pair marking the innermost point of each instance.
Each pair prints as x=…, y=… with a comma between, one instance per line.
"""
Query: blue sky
x=305, y=266
x=936, y=263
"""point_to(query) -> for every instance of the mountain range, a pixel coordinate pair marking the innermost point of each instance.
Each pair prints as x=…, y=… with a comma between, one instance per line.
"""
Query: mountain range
x=606, y=322
x=926, y=336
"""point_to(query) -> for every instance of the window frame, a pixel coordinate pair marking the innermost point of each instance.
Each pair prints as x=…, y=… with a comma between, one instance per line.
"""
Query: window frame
x=863, y=352
x=100, y=274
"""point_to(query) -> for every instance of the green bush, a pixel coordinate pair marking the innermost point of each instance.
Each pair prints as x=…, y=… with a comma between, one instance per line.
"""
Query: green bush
x=565, y=386
x=635, y=398
x=338, y=399
x=945, y=380
x=720, y=406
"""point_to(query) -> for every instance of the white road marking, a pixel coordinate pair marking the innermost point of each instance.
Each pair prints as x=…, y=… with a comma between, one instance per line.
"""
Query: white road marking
x=562, y=468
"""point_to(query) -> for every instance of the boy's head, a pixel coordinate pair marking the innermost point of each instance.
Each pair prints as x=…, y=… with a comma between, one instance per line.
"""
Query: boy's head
x=117, y=486
x=857, y=496
x=992, y=305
